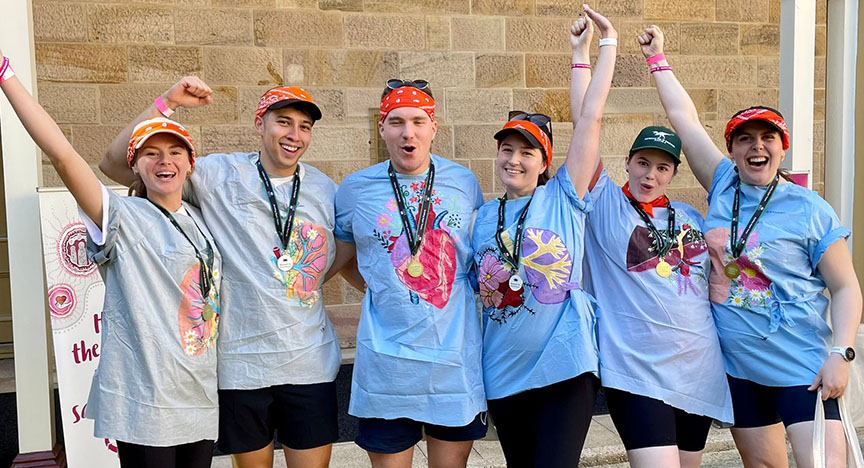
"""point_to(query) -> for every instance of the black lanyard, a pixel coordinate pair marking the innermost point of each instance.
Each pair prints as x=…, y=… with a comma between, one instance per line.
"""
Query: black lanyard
x=513, y=258
x=664, y=242
x=205, y=266
x=738, y=246
x=414, y=240
x=284, y=232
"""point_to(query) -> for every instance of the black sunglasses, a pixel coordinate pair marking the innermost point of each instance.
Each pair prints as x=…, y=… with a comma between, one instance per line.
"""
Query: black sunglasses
x=396, y=83
x=540, y=120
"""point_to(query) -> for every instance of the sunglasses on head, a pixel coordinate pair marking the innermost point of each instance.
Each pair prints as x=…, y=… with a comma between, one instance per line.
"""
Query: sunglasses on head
x=396, y=83
x=540, y=120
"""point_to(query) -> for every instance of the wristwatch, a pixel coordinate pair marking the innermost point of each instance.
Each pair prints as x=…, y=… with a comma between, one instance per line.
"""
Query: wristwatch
x=847, y=352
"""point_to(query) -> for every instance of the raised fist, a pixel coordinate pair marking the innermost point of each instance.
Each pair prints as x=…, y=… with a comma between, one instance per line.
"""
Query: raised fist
x=651, y=41
x=190, y=91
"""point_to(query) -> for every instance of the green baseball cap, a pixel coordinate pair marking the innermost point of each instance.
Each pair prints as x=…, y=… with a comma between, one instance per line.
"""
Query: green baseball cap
x=660, y=138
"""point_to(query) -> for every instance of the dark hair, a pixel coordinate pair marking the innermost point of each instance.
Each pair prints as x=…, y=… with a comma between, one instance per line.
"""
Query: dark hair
x=543, y=177
x=427, y=90
x=137, y=189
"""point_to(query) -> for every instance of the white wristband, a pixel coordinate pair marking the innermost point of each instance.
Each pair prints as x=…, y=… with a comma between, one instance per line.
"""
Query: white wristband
x=608, y=41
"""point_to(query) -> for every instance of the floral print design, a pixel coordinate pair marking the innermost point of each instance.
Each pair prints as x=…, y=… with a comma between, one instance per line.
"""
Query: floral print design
x=198, y=317
x=308, y=250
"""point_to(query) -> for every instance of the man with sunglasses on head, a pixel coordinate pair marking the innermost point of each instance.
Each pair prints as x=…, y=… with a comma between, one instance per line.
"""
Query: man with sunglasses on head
x=418, y=362
x=273, y=220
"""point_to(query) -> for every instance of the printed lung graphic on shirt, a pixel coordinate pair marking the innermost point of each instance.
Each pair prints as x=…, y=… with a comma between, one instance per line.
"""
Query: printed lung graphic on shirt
x=437, y=253
x=751, y=288
x=308, y=250
x=198, y=317
x=547, y=264
x=689, y=243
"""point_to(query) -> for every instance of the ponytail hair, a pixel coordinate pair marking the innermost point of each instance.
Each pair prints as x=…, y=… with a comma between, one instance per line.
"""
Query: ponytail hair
x=137, y=189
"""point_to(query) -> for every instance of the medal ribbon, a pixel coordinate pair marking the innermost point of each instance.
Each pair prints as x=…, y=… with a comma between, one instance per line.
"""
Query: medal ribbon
x=738, y=246
x=664, y=242
x=513, y=258
x=284, y=232
x=205, y=267
x=414, y=240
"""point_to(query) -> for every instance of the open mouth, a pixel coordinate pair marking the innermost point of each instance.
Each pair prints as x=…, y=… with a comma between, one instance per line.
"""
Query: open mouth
x=646, y=187
x=165, y=175
x=409, y=149
x=289, y=148
x=757, y=161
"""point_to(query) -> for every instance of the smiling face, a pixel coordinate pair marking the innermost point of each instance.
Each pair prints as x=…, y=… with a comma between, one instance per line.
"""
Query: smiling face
x=650, y=171
x=757, y=149
x=163, y=164
x=408, y=133
x=285, y=135
x=518, y=165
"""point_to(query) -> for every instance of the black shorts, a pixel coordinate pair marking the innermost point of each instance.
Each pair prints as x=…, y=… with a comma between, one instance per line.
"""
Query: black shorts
x=646, y=422
x=303, y=417
x=397, y=435
x=758, y=405
x=546, y=426
x=192, y=455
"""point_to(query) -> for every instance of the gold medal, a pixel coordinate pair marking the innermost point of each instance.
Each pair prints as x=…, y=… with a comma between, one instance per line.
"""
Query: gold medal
x=415, y=268
x=732, y=270
x=663, y=269
x=208, y=313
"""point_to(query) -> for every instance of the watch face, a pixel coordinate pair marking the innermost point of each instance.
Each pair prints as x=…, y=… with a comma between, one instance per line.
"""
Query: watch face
x=850, y=353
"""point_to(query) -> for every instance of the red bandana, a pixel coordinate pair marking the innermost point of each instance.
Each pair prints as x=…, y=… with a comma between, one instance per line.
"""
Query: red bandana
x=407, y=96
x=750, y=115
x=659, y=202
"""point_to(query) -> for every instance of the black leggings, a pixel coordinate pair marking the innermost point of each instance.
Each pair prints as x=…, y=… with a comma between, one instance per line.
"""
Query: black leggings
x=192, y=455
x=545, y=427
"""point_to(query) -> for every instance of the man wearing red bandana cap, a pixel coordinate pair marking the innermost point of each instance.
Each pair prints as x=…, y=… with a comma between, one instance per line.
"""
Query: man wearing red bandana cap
x=273, y=219
x=417, y=367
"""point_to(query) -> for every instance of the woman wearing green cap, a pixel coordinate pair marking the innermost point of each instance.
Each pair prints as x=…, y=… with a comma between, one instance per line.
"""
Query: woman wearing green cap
x=774, y=248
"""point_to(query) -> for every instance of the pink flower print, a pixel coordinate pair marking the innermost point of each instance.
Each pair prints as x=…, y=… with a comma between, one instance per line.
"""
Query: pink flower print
x=415, y=186
x=491, y=297
x=391, y=205
x=437, y=200
x=492, y=273
x=384, y=221
x=423, y=184
x=752, y=276
x=413, y=199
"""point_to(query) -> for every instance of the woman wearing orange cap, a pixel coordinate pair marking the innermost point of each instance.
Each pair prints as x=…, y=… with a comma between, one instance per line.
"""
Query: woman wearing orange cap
x=155, y=388
x=539, y=353
x=774, y=247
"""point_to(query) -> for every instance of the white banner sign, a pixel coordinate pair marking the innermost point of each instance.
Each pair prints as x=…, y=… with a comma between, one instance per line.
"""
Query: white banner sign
x=75, y=294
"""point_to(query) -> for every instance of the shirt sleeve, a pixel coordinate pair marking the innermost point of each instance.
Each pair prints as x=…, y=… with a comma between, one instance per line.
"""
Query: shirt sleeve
x=103, y=251
x=723, y=176
x=95, y=229
x=561, y=181
x=825, y=230
x=203, y=176
x=345, y=203
x=601, y=186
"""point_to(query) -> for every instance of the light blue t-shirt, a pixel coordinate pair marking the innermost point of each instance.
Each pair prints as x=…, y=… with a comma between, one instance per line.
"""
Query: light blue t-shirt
x=542, y=333
x=772, y=318
x=418, y=341
x=656, y=335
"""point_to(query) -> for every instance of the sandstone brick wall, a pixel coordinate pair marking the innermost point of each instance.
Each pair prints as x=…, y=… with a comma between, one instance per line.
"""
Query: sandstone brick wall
x=100, y=62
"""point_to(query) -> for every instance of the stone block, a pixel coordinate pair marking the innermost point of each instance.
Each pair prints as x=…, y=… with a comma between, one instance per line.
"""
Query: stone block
x=705, y=100
x=559, y=8
x=616, y=168
x=819, y=72
x=384, y=31
x=682, y=10
x=472, y=142
x=684, y=178
x=338, y=143
x=341, y=67
x=821, y=40
x=716, y=130
x=547, y=70
x=819, y=104
x=164, y=63
x=440, y=69
x=130, y=23
x=59, y=22
x=223, y=110
x=498, y=71
x=631, y=72
x=342, y=5
x=247, y=102
x=619, y=131
x=333, y=291
x=477, y=105
x=502, y=7
x=201, y=26
x=553, y=102
x=819, y=136
x=760, y=39
x=92, y=141
x=534, y=34
x=438, y=32
x=307, y=4
x=362, y=103
x=228, y=139
x=695, y=197
x=484, y=170
x=337, y=170
x=620, y=8
x=70, y=103
x=768, y=74
x=744, y=11
x=633, y=101
x=480, y=34
x=242, y=65
x=245, y=3
x=459, y=7
x=297, y=28
x=730, y=101
x=562, y=133
x=821, y=12
x=628, y=30
x=442, y=145
x=122, y=103
x=719, y=71
x=774, y=11
x=345, y=319
x=709, y=39
x=81, y=63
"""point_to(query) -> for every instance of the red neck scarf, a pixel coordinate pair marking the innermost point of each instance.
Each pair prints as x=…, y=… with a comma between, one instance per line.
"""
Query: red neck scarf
x=659, y=202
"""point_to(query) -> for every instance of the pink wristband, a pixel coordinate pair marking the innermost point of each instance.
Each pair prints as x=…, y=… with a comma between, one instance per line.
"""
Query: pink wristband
x=655, y=58
x=162, y=107
x=580, y=65
x=663, y=68
x=6, y=70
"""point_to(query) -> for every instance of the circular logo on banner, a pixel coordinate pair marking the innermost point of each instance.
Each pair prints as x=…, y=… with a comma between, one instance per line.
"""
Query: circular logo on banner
x=72, y=250
x=61, y=301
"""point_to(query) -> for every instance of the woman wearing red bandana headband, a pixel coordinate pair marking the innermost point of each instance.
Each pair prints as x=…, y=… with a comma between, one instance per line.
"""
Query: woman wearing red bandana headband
x=155, y=389
x=774, y=248
x=539, y=355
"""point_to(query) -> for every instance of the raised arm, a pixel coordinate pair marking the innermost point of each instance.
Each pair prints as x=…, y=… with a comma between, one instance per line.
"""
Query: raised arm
x=584, y=151
x=580, y=70
x=72, y=168
x=700, y=151
x=190, y=91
